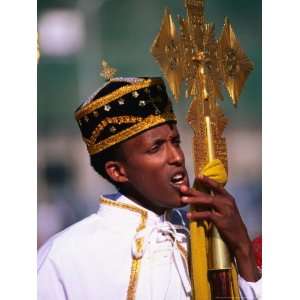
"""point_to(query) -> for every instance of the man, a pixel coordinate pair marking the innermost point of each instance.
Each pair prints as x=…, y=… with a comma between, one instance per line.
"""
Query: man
x=131, y=248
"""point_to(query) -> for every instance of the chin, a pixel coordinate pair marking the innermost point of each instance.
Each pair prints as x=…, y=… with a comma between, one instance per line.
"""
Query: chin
x=176, y=203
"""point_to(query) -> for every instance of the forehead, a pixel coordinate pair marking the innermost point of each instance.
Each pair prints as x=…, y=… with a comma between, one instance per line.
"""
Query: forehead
x=159, y=132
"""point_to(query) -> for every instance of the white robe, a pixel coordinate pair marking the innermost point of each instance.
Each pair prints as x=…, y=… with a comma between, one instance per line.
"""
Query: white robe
x=122, y=252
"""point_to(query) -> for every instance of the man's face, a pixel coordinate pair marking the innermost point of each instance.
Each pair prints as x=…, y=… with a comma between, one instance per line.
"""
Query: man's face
x=155, y=168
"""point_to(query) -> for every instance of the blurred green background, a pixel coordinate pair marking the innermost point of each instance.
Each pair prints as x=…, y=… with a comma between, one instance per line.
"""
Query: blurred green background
x=74, y=37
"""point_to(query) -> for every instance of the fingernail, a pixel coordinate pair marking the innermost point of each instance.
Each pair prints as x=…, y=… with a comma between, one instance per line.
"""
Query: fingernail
x=188, y=215
x=184, y=199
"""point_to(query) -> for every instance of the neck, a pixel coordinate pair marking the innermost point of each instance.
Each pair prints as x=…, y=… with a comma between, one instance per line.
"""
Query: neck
x=141, y=200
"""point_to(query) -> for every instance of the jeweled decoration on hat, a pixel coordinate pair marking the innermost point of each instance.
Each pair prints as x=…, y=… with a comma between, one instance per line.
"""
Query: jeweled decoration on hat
x=135, y=94
x=142, y=103
x=107, y=107
x=121, y=101
x=119, y=109
x=112, y=129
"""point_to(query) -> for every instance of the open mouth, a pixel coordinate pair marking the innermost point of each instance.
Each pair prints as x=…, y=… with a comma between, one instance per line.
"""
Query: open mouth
x=178, y=179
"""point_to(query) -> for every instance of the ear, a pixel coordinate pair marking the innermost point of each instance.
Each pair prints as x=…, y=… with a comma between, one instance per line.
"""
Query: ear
x=116, y=171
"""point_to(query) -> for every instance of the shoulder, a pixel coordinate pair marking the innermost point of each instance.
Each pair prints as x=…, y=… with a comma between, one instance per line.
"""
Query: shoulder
x=70, y=240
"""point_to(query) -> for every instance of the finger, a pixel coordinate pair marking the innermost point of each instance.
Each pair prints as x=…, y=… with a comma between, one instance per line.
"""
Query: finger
x=192, y=191
x=201, y=215
x=199, y=200
x=219, y=205
x=201, y=207
x=184, y=189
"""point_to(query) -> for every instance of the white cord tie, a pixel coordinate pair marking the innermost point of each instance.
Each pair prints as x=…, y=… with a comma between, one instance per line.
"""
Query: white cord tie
x=161, y=232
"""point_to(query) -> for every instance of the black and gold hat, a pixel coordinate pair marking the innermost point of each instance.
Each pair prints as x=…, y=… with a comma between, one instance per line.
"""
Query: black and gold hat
x=122, y=108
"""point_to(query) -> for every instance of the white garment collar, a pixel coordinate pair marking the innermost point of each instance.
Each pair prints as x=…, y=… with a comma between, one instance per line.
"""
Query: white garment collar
x=152, y=217
x=125, y=212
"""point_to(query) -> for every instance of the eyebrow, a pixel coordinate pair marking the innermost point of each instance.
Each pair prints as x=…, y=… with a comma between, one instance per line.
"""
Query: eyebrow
x=161, y=140
x=175, y=136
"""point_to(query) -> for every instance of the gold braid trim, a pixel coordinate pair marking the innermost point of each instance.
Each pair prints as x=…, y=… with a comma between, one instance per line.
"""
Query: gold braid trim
x=148, y=122
x=182, y=250
x=112, y=120
x=142, y=212
x=90, y=107
x=134, y=274
x=136, y=263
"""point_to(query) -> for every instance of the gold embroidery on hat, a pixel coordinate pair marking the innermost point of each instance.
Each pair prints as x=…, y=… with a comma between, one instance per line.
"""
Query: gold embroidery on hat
x=113, y=120
x=146, y=123
x=91, y=106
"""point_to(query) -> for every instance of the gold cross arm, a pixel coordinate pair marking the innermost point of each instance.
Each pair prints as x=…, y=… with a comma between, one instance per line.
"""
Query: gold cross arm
x=165, y=49
x=203, y=63
x=234, y=63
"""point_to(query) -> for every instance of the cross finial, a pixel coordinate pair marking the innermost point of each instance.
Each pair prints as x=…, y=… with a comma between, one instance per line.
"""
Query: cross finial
x=195, y=57
x=107, y=71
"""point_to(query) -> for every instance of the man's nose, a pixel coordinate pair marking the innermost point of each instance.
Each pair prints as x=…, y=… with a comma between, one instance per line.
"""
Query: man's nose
x=175, y=155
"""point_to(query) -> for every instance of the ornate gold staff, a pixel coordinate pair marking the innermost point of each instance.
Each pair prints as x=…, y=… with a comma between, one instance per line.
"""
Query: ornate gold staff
x=204, y=63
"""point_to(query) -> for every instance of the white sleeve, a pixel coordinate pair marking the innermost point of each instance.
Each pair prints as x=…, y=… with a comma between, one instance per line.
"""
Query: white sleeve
x=250, y=290
x=48, y=280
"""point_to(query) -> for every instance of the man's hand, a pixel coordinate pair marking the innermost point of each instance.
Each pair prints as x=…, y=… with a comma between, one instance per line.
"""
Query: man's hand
x=221, y=210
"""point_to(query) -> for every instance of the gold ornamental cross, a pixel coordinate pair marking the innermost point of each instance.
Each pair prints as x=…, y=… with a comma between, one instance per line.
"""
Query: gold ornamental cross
x=195, y=58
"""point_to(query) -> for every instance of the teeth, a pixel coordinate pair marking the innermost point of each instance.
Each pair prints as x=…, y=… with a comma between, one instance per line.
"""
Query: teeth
x=177, y=178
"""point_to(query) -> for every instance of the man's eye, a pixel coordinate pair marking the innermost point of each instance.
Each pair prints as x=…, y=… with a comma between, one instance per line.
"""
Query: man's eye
x=155, y=148
x=177, y=142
